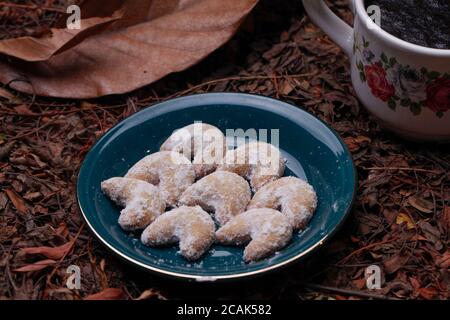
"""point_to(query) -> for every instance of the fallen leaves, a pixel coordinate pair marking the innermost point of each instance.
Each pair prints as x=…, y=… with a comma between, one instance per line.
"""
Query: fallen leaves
x=169, y=36
x=37, y=266
x=7, y=232
x=6, y=149
x=404, y=218
x=149, y=294
x=395, y=262
x=446, y=217
x=54, y=253
x=41, y=49
x=428, y=293
x=356, y=143
x=17, y=201
x=6, y=94
x=107, y=294
x=421, y=204
x=443, y=261
x=432, y=234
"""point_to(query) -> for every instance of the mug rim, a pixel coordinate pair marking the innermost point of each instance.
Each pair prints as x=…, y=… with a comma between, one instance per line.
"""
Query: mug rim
x=378, y=31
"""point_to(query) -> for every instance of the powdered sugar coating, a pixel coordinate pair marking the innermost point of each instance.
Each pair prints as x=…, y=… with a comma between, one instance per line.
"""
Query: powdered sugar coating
x=258, y=162
x=170, y=171
x=265, y=230
x=142, y=201
x=202, y=142
x=192, y=227
x=225, y=193
x=292, y=196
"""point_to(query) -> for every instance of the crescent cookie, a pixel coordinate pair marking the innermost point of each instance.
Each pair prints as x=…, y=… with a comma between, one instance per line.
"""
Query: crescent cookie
x=192, y=227
x=265, y=230
x=170, y=171
x=258, y=162
x=292, y=196
x=142, y=201
x=224, y=193
x=202, y=142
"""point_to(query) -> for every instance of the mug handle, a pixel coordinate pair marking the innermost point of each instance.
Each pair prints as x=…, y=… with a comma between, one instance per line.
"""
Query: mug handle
x=331, y=24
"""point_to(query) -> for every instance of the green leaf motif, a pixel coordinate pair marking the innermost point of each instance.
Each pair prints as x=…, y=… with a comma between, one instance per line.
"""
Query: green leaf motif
x=415, y=108
x=384, y=58
x=392, y=61
x=360, y=65
x=439, y=114
x=392, y=104
x=362, y=76
x=433, y=75
x=405, y=102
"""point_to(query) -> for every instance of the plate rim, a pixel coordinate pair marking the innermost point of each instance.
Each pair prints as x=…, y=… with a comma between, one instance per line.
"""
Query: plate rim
x=227, y=98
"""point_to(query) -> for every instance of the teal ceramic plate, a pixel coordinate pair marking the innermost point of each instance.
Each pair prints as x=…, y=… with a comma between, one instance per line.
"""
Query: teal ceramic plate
x=313, y=151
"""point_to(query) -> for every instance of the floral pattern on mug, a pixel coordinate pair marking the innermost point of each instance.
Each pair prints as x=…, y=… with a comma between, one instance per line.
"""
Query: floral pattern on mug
x=438, y=95
x=402, y=85
x=377, y=81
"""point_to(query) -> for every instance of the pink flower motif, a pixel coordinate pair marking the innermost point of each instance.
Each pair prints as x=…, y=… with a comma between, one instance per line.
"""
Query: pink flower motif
x=438, y=95
x=377, y=81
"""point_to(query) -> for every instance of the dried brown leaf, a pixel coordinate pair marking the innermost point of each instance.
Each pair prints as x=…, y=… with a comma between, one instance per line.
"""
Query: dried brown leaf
x=395, y=262
x=149, y=294
x=3, y=200
x=414, y=283
x=59, y=40
x=351, y=143
x=62, y=230
x=23, y=110
x=445, y=218
x=6, y=149
x=421, y=204
x=287, y=88
x=17, y=201
x=431, y=233
x=107, y=294
x=176, y=35
x=32, y=196
x=51, y=252
x=360, y=283
x=6, y=232
x=443, y=261
x=427, y=293
x=6, y=94
x=134, y=11
x=355, y=143
x=36, y=266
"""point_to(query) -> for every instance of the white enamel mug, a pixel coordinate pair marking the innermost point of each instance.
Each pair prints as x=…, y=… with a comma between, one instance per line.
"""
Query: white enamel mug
x=405, y=86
